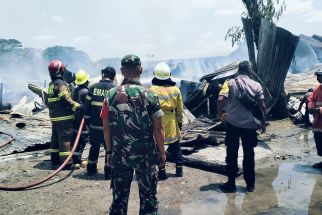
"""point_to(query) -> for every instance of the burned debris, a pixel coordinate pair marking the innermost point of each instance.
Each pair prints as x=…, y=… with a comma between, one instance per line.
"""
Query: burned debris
x=201, y=127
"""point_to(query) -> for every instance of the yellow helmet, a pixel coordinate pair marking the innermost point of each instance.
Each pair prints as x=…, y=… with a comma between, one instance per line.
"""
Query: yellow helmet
x=81, y=77
x=162, y=71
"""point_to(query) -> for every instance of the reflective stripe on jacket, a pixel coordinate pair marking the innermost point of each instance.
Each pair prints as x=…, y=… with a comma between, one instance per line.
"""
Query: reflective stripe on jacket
x=171, y=104
x=315, y=101
x=60, y=104
x=94, y=103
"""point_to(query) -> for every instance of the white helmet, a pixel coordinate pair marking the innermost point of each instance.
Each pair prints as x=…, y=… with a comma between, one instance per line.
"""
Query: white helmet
x=162, y=71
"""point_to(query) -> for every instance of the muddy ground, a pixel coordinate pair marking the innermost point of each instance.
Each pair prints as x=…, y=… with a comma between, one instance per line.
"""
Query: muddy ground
x=285, y=183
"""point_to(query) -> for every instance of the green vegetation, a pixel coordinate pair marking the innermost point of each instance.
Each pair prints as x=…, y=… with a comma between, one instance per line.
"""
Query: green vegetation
x=271, y=10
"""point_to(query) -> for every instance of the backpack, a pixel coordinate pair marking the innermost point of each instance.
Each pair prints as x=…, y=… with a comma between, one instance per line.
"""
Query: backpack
x=134, y=112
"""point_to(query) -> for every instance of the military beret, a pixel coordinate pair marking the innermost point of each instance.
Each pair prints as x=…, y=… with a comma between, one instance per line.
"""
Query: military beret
x=131, y=60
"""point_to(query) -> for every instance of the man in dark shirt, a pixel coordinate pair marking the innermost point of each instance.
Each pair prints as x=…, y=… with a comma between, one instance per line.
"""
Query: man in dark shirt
x=93, y=106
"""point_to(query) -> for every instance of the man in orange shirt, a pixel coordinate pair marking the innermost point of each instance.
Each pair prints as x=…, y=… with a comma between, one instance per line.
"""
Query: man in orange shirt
x=315, y=108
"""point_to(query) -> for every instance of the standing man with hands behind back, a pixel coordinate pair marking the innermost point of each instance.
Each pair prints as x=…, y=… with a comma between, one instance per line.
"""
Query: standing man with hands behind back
x=134, y=137
x=240, y=123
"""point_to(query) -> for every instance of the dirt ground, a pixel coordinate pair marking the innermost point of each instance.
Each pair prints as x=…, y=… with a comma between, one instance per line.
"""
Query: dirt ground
x=73, y=192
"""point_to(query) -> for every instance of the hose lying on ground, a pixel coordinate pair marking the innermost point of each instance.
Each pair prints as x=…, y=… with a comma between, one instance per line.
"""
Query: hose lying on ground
x=35, y=183
x=7, y=141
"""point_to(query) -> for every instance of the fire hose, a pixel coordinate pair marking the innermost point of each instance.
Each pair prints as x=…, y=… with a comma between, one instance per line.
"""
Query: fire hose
x=8, y=141
x=35, y=183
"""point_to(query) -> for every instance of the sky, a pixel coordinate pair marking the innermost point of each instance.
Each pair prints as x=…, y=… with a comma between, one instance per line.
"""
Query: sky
x=152, y=29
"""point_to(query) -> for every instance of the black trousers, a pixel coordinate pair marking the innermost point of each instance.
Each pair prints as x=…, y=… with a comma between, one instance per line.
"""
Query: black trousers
x=318, y=142
x=249, y=141
x=96, y=139
x=77, y=156
x=175, y=152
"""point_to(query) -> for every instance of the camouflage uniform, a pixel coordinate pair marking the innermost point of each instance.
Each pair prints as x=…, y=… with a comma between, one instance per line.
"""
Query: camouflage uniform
x=132, y=108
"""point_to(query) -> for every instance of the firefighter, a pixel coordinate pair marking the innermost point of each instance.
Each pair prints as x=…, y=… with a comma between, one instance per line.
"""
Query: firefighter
x=172, y=107
x=79, y=94
x=61, y=112
x=93, y=106
x=315, y=108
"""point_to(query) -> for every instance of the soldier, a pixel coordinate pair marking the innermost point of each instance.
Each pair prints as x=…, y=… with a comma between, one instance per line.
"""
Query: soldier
x=133, y=135
x=61, y=112
x=171, y=105
x=79, y=94
x=93, y=106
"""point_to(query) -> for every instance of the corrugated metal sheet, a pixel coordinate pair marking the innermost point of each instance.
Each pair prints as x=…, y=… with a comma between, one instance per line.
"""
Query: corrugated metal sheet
x=36, y=132
x=276, y=49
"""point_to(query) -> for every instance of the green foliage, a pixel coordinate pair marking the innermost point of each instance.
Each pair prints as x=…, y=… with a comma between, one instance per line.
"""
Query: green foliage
x=271, y=10
x=8, y=45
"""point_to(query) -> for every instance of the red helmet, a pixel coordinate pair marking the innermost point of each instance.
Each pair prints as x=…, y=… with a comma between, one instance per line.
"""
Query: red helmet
x=56, y=68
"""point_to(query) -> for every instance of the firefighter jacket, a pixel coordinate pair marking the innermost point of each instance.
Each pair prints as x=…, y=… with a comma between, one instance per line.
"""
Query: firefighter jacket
x=60, y=103
x=172, y=107
x=79, y=95
x=94, y=102
x=315, y=101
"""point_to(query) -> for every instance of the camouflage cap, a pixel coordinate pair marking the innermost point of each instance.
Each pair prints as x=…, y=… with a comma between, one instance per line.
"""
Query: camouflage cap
x=131, y=60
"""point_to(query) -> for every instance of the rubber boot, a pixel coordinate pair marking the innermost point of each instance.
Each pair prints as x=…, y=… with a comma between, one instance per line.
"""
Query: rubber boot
x=55, y=160
x=76, y=162
x=179, y=172
x=107, y=172
x=68, y=166
x=162, y=174
x=91, y=169
x=229, y=186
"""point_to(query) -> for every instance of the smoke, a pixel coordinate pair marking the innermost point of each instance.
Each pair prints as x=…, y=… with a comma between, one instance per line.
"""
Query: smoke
x=21, y=66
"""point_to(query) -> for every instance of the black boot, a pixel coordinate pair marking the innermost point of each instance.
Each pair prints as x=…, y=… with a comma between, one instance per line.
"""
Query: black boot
x=55, y=160
x=91, y=169
x=107, y=172
x=229, y=186
x=162, y=174
x=179, y=172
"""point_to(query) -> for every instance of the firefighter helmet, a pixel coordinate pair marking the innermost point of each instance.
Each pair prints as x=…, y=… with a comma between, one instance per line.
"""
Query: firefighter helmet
x=56, y=68
x=162, y=71
x=81, y=77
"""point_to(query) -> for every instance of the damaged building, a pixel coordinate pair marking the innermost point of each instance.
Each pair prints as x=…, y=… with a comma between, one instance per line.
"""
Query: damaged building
x=202, y=131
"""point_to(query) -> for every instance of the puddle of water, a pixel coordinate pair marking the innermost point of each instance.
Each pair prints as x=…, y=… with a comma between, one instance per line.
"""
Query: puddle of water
x=306, y=137
x=285, y=189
